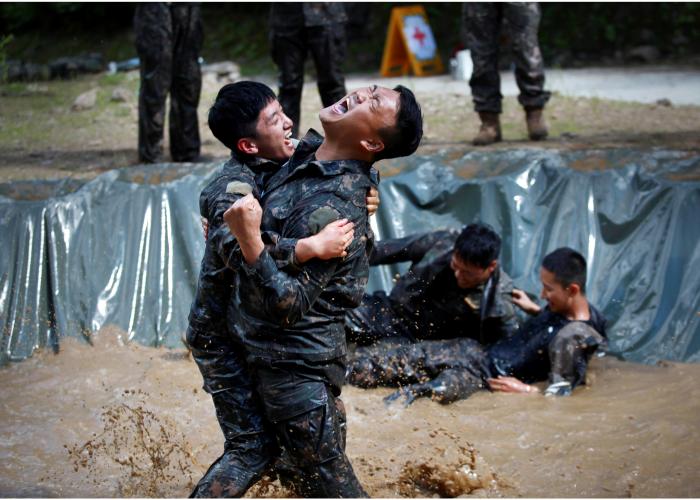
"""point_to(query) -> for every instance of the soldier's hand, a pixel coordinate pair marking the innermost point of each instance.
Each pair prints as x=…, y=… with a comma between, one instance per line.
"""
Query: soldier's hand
x=372, y=201
x=244, y=217
x=333, y=240
x=523, y=301
x=510, y=384
x=205, y=228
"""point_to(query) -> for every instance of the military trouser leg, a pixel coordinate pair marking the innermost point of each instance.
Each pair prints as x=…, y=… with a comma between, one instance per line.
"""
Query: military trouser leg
x=249, y=442
x=483, y=27
x=309, y=427
x=327, y=45
x=289, y=53
x=445, y=370
x=569, y=352
x=154, y=45
x=186, y=82
x=524, y=21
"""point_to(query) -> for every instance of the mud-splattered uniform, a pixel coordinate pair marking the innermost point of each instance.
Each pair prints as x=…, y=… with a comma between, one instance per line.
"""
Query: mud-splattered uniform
x=483, y=26
x=299, y=28
x=292, y=323
x=449, y=370
x=169, y=37
x=220, y=359
x=426, y=303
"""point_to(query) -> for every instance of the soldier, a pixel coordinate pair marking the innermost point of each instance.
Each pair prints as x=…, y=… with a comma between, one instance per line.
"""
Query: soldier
x=247, y=118
x=483, y=23
x=295, y=30
x=454, y=288
x=557, y=342
x=168, y=40
x=291, y=323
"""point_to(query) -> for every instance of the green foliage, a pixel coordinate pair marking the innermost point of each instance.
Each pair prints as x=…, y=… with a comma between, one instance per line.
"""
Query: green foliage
x=5, y=40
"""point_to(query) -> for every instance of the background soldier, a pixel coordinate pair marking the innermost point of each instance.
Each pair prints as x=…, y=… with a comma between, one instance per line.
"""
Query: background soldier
x=483, y=23
x=298, y=28
x=454, y=288
x=168, y=40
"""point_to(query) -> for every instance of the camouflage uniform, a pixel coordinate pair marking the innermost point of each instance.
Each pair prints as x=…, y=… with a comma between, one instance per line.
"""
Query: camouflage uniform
x=298, y=28
x=168, y=40
x=483, y=25
x=292, y=323
x=248, y=445
x=426, y=303
x=449, y=370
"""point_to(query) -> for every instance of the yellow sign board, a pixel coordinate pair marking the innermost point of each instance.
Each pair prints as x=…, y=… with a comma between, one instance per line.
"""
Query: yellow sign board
x=410, y=44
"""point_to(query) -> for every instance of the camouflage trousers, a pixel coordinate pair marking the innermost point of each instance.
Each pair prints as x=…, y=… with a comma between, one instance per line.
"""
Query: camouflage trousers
x=483, y=23
x=450, y=370
x=301, y=401
x=249, y=444
x=290, y=45
x=168, y=41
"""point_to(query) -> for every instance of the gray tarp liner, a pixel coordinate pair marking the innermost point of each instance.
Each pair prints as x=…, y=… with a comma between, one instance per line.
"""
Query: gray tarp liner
x=124, y=248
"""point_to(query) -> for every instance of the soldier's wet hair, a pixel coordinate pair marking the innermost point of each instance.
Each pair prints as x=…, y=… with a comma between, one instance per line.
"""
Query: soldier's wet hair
x=403, y=138
x=568, y=266
x=478, y=244
x=236, y=109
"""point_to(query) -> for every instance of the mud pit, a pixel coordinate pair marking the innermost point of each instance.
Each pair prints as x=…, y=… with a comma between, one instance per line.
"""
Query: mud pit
x=127, y=420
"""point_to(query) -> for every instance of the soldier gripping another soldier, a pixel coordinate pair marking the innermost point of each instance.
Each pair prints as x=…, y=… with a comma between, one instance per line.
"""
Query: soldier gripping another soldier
x=373, y=123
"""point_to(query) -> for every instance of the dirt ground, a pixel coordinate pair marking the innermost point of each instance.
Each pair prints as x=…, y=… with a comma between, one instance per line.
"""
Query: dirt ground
x=41, y=137
x=126, y=420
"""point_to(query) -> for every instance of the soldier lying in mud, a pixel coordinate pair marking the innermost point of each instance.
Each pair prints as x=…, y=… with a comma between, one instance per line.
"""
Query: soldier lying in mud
x=557, y=342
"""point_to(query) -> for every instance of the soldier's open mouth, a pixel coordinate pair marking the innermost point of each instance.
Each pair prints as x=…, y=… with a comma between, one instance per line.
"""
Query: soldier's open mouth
x=342, y=107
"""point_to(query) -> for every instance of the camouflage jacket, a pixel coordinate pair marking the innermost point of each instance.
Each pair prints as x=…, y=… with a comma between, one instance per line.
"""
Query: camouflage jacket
x=297, y=14
x=221, y=252
x=300, y=313
x=426, y=300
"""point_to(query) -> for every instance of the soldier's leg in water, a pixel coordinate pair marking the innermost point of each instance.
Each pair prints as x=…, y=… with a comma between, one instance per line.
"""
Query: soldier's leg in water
x=569, y=353
x=449, y=386
x=249, y=445
x=315, y=442
x=386, y=364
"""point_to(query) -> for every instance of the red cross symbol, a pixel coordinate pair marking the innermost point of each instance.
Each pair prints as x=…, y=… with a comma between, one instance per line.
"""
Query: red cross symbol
x=418, y=35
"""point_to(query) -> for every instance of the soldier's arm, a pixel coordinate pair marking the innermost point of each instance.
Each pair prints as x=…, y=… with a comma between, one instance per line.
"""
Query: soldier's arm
x=409, y=248
x=287, y=297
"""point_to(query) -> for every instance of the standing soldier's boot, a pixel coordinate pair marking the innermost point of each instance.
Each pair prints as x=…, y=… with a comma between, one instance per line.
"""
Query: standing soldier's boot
x=490, y=130
x=536, y=128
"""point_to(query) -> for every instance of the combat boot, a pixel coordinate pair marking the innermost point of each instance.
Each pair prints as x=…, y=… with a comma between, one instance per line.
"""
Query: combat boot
x=490, y=130
x=536, y=128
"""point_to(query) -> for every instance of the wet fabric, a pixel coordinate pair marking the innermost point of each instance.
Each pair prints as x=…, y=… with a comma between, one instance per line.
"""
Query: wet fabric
x=483, y=22
x=453, y=369
x=300, y=314
x=525, y=355
x=169, y=37
x=426, y=302
x=125, y=248
x=301, y=29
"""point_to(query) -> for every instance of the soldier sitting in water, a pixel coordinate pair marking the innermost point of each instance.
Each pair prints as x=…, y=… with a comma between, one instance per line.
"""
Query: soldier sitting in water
x=558, y=340
x=454, y=288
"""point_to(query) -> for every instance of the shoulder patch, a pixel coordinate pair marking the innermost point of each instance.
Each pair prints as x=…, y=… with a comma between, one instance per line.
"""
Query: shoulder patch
x=238, y=187
x=321, y=217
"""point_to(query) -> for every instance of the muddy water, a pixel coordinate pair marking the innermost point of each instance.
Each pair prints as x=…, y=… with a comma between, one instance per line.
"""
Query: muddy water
x=125, y=420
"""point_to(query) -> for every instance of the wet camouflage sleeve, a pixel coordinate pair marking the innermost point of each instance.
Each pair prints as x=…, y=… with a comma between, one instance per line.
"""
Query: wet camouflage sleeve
x=410, y=248
x=288, y=297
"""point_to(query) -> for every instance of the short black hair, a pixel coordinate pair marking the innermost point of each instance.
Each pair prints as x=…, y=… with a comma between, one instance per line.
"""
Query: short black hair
x=568, y=266
x=478, y=244
x=403, y=138
x=236, y=109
